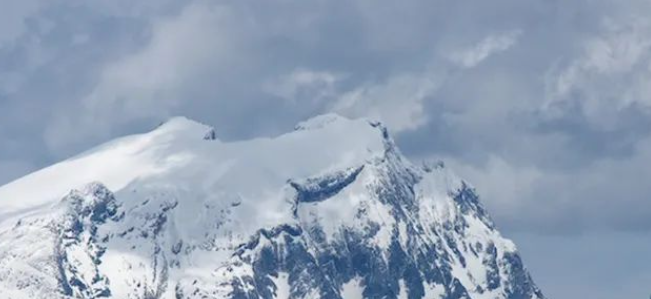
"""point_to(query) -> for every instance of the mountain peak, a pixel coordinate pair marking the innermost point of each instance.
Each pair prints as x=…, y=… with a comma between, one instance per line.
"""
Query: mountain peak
x=186, y=126
x=326, y=211
x=321, y=121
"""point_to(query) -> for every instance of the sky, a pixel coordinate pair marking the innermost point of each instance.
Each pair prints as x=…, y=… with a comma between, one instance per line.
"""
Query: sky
x=543, y=105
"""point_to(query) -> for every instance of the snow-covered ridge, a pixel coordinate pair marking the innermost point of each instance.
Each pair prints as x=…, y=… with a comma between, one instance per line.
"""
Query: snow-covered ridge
x=320, y=121
x=174, y=144
x=115, y=164
x=329, y=210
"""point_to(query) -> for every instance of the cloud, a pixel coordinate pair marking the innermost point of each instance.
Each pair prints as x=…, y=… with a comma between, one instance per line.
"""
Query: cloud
x=608, y=195
x=398, y=102
x=11, y=169
x=304, y=85
x=508, y=187
x=538, y=104
x=13, y=18
x=490, y=45
x=610, y=75
x=512, y=123
x=149, y=82
x=581, y=260
x=544, y=105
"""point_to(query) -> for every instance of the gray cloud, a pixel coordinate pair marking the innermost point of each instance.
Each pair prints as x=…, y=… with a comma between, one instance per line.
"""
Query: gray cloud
x=543, y=105
x=10, y=169
x=492, y=91
x=585, y=265
x=490, y=45
x=552, y=104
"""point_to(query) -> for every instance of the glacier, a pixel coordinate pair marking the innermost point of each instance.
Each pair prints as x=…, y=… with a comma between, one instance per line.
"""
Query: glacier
x=329, y=210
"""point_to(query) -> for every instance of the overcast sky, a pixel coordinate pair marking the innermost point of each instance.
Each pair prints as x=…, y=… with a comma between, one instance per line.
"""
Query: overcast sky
x=543, y=105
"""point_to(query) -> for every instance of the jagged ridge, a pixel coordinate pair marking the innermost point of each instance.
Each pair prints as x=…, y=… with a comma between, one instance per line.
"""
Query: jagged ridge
x=346, y=217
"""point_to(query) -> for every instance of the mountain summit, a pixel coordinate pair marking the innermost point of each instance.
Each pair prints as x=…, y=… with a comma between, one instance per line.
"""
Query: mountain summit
x=329, y=210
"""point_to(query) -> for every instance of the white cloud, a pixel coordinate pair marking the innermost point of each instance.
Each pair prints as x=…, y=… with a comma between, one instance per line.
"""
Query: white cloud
x=608, y=194
x=359, y=59
x=504, y=188
x=399, y=102
x=612, y=72
x=304, y=85
x=150, y=82
x=490, y=45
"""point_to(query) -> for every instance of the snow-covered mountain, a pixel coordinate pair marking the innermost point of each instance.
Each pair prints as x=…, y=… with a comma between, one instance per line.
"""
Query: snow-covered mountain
x=330, y=210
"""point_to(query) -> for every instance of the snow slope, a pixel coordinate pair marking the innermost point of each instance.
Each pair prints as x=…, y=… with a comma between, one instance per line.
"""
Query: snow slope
x=329, y=210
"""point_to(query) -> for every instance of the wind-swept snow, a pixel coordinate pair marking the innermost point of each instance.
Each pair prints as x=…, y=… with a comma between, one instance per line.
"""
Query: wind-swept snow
x=115, y=164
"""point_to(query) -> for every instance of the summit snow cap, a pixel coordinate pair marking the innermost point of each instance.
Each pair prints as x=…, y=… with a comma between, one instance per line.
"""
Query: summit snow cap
x=320, y=121
x=330, y=210
x=181, y=125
